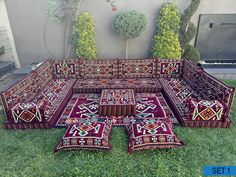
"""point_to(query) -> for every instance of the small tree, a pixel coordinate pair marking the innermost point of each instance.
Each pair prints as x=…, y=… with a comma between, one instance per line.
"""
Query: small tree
x=84, y=35
x=129, y=25
x=166, y=42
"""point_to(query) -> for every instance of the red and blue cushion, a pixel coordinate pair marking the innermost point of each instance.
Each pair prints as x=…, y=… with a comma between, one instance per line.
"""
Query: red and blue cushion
x=152, y=134
x=86, y=135
x=206, y=110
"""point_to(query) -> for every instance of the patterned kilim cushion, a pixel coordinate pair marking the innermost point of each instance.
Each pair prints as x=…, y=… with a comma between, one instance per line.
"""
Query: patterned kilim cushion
x=86, y=135
x=117, y=102
x=137, y=68
x=66, y=68
x=27, y=88
x=91, y=85
x=28, y=112
x=102, y=69
x=206, y=110
x=169, y=68
x=178, y=93
x=182, y=90
x=53, y=95
x=152, y=134
x=117, y=97
x=137, y=84
x=85, y=106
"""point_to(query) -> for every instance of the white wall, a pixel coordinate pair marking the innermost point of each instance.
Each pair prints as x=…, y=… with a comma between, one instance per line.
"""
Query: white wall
x=111, y=46
x=4, y=23
x=28, y=18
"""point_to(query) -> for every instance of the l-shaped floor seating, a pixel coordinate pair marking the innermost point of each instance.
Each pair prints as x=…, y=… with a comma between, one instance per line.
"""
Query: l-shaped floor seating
x=46, y=90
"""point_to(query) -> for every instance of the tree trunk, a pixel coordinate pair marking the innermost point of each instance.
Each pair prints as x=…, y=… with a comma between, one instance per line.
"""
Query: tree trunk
x=127, y=49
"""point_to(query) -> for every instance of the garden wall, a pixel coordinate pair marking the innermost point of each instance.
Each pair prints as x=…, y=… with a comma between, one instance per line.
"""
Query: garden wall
x=6, y=37
x=28, y=19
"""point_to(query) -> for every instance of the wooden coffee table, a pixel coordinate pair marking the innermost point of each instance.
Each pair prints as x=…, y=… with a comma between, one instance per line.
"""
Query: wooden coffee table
x=117, y=102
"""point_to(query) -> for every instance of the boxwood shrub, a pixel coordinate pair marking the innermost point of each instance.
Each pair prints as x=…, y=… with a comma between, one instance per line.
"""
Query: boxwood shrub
x=166, y=42
x=84, y=36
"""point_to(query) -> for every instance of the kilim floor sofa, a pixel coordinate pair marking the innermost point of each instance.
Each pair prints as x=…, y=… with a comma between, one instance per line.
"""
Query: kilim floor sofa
x=196, y=98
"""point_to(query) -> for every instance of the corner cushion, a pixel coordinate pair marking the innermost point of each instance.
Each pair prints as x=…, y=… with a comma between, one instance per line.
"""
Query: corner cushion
x=206, y=110
x=28, y=112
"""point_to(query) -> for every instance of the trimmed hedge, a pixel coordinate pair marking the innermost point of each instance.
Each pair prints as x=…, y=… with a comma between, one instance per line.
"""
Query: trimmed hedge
x=169, y=19
x=166, y=46
x=84, y=36
x=166, y=42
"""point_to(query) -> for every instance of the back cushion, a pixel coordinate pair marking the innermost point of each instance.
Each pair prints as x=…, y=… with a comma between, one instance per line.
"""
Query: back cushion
x=190, y=73
x=137, y=68
x=210, y=88
x=27, y=88
x=44, y=74
x=169, y=68
x=66, y=68
x=205, y=85
x=90, y=69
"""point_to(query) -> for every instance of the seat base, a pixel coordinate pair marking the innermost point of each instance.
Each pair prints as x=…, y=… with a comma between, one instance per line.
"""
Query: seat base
x=97, y=85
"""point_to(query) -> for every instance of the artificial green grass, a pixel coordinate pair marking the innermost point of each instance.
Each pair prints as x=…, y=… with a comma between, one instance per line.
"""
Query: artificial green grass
x=30, y=153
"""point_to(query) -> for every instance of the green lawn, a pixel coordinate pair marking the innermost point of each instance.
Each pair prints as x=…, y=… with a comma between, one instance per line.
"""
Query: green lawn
x=30, y=153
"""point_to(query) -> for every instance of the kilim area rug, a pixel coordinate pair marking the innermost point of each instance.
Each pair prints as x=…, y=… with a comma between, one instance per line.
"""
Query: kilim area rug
x=84, y=107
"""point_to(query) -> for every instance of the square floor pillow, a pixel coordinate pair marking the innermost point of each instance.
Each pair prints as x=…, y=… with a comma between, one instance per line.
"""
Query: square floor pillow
x=152, y=134
x=206, y=110
x=86, y=135
x=28, y=112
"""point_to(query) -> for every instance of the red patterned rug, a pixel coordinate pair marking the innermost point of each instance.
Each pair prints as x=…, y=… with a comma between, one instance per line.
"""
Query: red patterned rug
x=84, y=107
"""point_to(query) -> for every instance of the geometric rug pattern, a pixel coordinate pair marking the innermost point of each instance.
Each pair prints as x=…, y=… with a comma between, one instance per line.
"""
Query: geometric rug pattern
x=84, y=107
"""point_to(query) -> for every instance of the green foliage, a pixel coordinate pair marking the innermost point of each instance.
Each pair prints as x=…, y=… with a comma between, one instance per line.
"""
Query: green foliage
x=84, y=36
x=166, y=42
x=2, y=50
x=192, y=53
x=169, y=18
x=166, y=46
x=129, y=24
